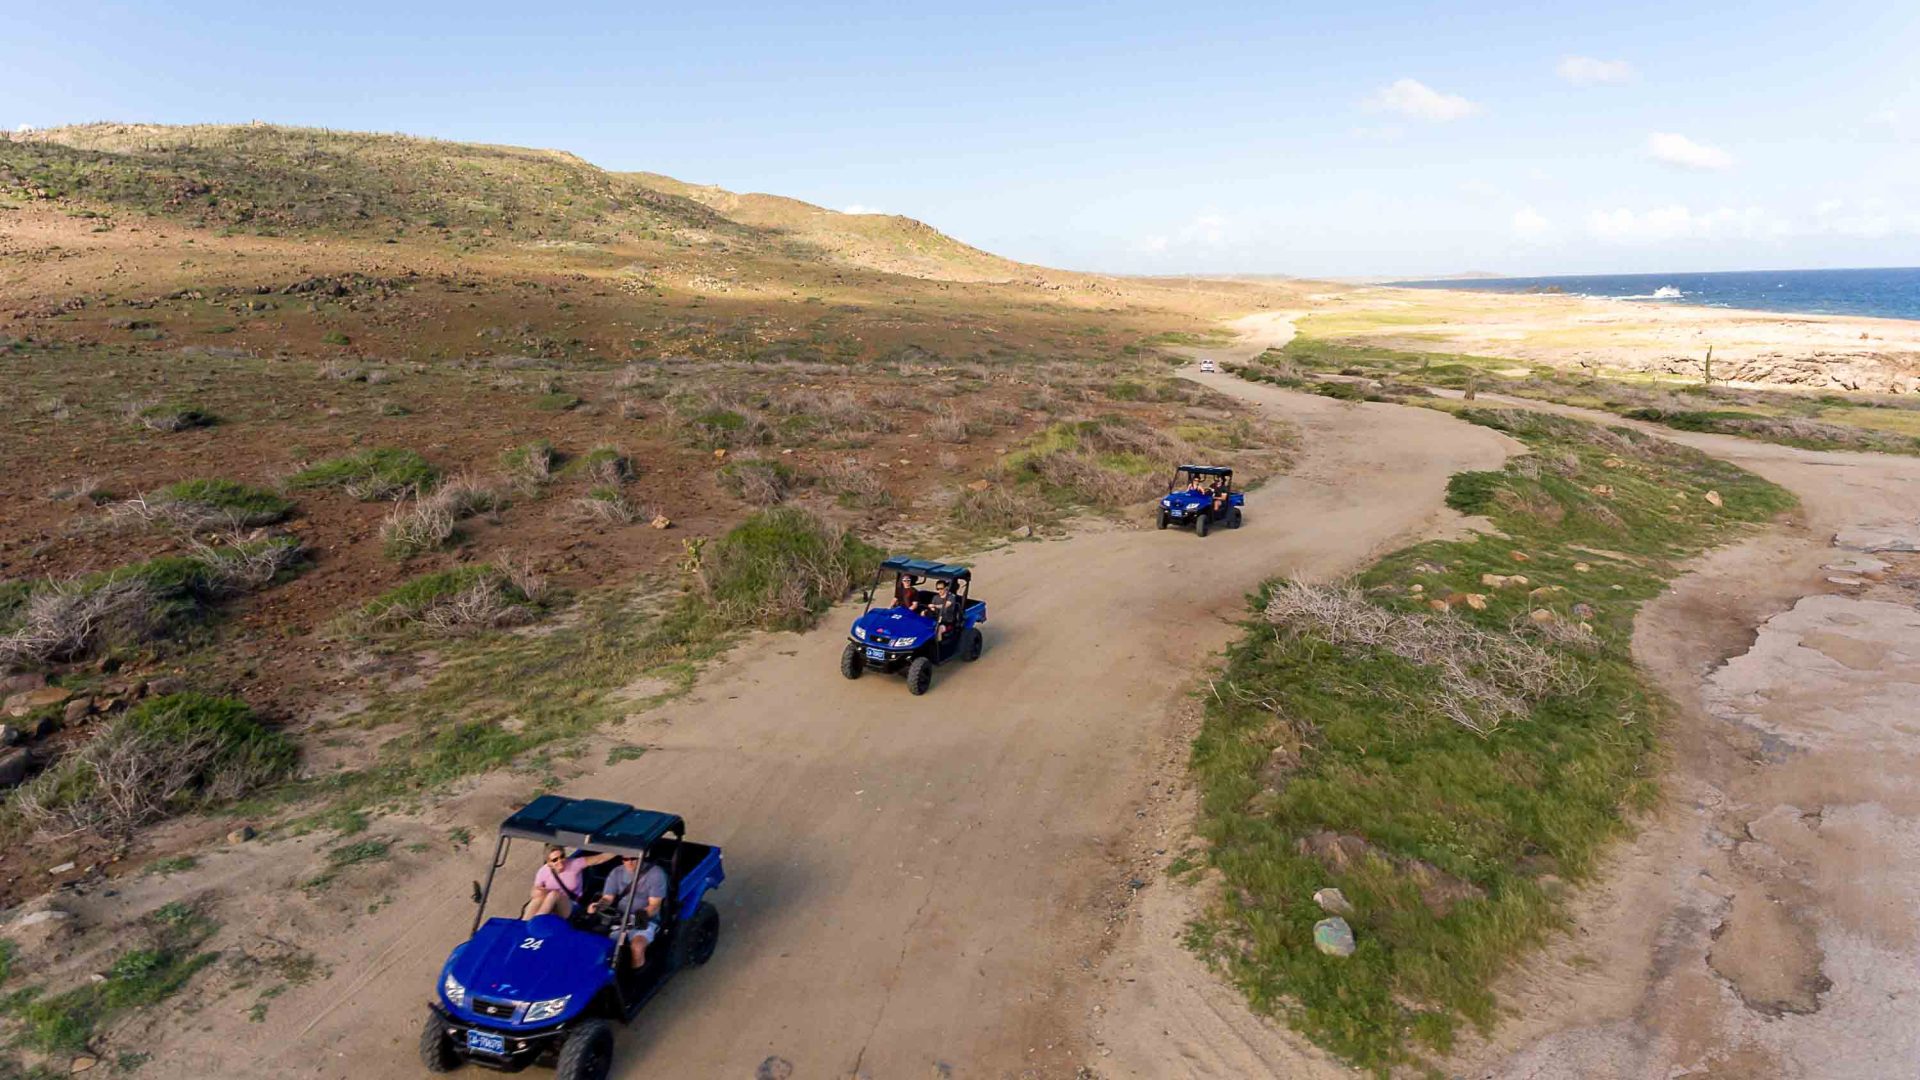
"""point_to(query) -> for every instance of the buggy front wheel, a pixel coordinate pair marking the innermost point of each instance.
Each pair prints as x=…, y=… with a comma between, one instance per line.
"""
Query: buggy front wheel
x=1200, y=524
x=587, y=1053
x=852, y=661
x=1163, y=519
x=436, y=1048
x=919, y=675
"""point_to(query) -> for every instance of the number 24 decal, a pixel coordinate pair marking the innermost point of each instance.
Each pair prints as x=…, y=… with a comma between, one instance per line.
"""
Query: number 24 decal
x=531, y=943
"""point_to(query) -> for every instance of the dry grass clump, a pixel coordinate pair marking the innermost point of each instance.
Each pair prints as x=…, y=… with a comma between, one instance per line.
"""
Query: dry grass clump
x=166, y=416
x=431, y=521
x=57, y=621
x=530, y=467
x=193, y=506
x=170, y=754
x=856, y=485
x=759, y=482
x=606, y=505
x=1484, y=678
x=66, y=620
x=459, y=601
x=1000, y=508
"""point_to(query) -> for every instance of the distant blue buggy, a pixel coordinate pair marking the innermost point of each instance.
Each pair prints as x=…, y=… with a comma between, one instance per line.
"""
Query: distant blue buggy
x=1202, y=496
x=545, y=989
x=922, y=628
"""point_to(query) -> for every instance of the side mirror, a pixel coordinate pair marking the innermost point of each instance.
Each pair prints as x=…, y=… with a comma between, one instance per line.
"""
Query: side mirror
x=478, y=896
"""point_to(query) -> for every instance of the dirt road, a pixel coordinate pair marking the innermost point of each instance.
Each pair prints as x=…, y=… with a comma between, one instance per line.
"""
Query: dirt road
x=917, y=887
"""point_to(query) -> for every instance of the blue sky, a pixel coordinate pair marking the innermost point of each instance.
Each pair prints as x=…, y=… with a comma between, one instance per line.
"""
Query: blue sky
x=1379, y=138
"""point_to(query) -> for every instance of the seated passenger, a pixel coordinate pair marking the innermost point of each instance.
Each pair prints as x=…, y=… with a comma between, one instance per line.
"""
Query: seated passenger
x=556, y=885
x=906, y=596
x=629, y=889
x=946, y=608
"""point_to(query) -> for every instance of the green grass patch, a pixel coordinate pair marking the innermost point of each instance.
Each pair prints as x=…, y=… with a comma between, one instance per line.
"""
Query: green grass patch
x=150, y=972
x=558, y=401
x=371, y=475
x=418, y=600
x=1323, y=761
x=244, y=505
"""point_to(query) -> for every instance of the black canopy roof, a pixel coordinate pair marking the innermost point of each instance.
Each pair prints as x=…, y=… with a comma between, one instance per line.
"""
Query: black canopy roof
x=902, y=564
x=1206, y=470
x=594, y=824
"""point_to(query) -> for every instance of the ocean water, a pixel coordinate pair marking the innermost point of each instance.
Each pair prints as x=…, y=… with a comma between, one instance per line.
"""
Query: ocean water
x=1888, y=294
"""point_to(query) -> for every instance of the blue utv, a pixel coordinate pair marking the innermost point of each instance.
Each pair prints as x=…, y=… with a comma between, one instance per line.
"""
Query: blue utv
x=545, y=989
x=906, y=636
x=1202, y=495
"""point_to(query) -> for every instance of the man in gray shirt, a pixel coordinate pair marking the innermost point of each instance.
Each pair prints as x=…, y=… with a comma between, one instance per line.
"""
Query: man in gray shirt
x=641, y=892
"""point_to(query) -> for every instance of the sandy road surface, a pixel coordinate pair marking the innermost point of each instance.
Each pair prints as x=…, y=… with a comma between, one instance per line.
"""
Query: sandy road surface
x=917, y=887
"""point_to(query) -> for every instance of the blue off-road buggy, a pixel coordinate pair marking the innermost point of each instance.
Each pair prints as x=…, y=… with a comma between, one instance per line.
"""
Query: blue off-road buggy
x=545, y=989
x=1202, y=495
x=903, y=637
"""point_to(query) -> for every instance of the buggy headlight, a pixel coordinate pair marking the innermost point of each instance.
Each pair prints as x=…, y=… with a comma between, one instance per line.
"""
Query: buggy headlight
x=546, y=1010
x=860, y=632
x=905, y=642
x=454, y=991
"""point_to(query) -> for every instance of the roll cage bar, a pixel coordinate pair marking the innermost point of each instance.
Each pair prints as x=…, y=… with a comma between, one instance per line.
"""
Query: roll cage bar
x=960, y=577
x=592, y=825
x=1201, y=470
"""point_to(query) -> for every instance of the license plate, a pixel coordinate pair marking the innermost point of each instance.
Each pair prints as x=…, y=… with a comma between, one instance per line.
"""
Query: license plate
x=487, y=1042
x=876, y=654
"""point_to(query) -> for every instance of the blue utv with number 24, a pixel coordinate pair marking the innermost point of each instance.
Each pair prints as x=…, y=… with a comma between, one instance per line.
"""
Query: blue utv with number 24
x=521, y=991
x=906, y=637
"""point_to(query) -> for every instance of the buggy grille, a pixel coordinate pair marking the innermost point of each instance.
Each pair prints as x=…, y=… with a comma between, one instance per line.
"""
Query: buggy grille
x=499, y=1010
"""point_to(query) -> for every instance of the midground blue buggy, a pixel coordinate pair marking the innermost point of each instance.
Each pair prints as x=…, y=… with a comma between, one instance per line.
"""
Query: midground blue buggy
x=544, y=989
x=1192, y=500
x=902, y=638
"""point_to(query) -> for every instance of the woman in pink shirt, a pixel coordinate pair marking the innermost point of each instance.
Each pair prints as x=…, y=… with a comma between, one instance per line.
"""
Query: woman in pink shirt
x=556, y=886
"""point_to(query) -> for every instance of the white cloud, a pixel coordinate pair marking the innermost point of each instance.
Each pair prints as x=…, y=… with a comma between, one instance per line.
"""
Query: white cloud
x=1483, y=190
x=1681, y=152
x=1411, y=97
x=1665, y=224
x=1869, y=219
x=1587, y=71
x=1204, y=231
x=1530, y=224
x=857, y=208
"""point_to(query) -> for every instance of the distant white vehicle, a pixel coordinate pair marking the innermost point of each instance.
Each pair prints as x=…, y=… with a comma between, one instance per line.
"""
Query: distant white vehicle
x=1207, y=365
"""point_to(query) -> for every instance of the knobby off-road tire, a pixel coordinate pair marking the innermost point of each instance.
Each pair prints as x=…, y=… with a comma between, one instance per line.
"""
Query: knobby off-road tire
x=1200, y=524
x=1163, y=519
x=852, y=661
x=699, y=936
x=587, y=1054
x=919, y=675
x=1235, y=519
x=436, y=1050
x=970, y=648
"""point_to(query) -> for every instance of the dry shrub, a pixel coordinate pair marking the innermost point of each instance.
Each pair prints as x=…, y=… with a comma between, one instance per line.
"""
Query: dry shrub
x=235, y=564
x=1535, y=504
x=1002, y=508
x=417, y=526
x=66, y=620
x=170, y=754
x=758, y=482
x=856, y=482
x=948, y=424
x=482, y=606
x=605, y=506
x=342, y=371
x=1484, y=678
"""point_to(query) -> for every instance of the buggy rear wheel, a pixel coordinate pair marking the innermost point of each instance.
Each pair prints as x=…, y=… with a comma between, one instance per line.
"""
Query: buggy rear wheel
x=1200, y=524
x=852, y=661
x=436, y=1049
x=919, y=675
x=1234, y=521
x=971, y=645
x=699, y=936
x=587, y=1053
